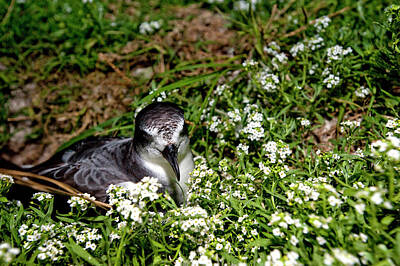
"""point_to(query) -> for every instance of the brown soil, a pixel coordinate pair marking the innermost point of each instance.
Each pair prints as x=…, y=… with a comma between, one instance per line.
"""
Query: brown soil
x=54, y=110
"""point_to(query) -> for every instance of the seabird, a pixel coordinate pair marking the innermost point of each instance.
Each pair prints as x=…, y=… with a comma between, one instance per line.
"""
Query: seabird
x=160, y=148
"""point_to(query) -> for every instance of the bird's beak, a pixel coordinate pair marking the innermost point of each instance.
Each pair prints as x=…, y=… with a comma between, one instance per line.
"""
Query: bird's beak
x=170, y=153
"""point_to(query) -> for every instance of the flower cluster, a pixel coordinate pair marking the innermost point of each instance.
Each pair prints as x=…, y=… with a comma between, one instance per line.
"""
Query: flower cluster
x=266, y=80
x=349, y=126
x=7, y=253
x=331, y=81
x=276, y=258
x=304, y=122
x=394, y=126
x=42, y=196
x=81, y=203
x=87, y=236
x=278, y=58
x=198, y=188
x=312, y=43
x=301, y=192
x=322, y=23
x=253, y=130
x=276, y=151
x=130, y=199
x=388, y=148
x=249, y=64
x=50, y=238
x=374, y=195
x=319, y=221
x=6, y=182
x=150, y=27
x=342, y=256
x=337, y=53
x=362, y=92
x=242, y=5
x=51, y=249
x=327, y=158
x=194, y=224
x=283, y=221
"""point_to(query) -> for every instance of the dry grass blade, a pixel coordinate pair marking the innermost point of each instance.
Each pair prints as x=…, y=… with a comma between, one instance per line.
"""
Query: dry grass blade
x=21, y=178
x=302, y=28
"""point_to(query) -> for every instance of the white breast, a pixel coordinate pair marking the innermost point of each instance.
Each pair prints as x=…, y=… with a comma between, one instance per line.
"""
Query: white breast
x=163, y=171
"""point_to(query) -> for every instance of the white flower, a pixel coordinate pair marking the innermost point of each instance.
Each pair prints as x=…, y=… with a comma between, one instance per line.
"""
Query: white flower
x=349, y=125
x=322, y=23
x=293, y=240
x=328, y=259
x=315, y=42
x=267, y=81
x=392, y=123
x=149, y=27
x=234, y=115
x=393, y=155
x=304, y=122
x=292, y=257
x=377, y=198
x=317, y=223
x=277, y=232
x=42, y=195
x=81, y=203
x=241, y=5
x=394, y=141
x=243, y=147
x=360, y=208
x=337, y=52
x=333, y=201
x=388, y=205
x=7, y=178
x=219, y=246
x=204, y=260
x=192, y=255
x=379, y=146
x=331, y=81
x=297, y=48
x=249, y=63
x=363, y=237
x=321, y=240
x=215, y=122
x=362, y=92
x=275, y=255
x=344, y=257
x=7, y=253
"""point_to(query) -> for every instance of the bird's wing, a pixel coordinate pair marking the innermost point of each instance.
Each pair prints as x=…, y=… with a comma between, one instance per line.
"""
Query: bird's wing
x=90, y=165
x=87, y=178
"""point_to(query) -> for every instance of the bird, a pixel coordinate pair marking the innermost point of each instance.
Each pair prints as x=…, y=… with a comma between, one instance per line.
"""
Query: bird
x=159, y=148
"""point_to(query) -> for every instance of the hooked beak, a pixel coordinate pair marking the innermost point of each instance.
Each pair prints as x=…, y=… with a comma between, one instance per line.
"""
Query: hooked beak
x=170, y=153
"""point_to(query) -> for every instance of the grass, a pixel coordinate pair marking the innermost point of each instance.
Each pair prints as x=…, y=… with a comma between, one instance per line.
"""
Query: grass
x=296, y=132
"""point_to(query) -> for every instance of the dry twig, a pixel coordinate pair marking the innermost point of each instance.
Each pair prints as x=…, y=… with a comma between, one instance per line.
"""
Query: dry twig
x=103, y=57
x=26, y=179
x=304, y=27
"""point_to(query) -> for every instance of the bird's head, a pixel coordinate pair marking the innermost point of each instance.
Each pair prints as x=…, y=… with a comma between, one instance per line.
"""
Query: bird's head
x=161, y=133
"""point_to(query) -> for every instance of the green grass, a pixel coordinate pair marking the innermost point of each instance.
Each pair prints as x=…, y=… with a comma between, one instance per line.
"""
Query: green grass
x=295, y=163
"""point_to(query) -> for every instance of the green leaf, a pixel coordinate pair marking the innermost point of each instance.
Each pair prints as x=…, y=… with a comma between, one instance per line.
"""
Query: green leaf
x=158, y=245
x=229, y=258
x=387, y=220
x=261, y=242
x=82, y=253
x=97, y=218
x=65, y=219
x=3, y=199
